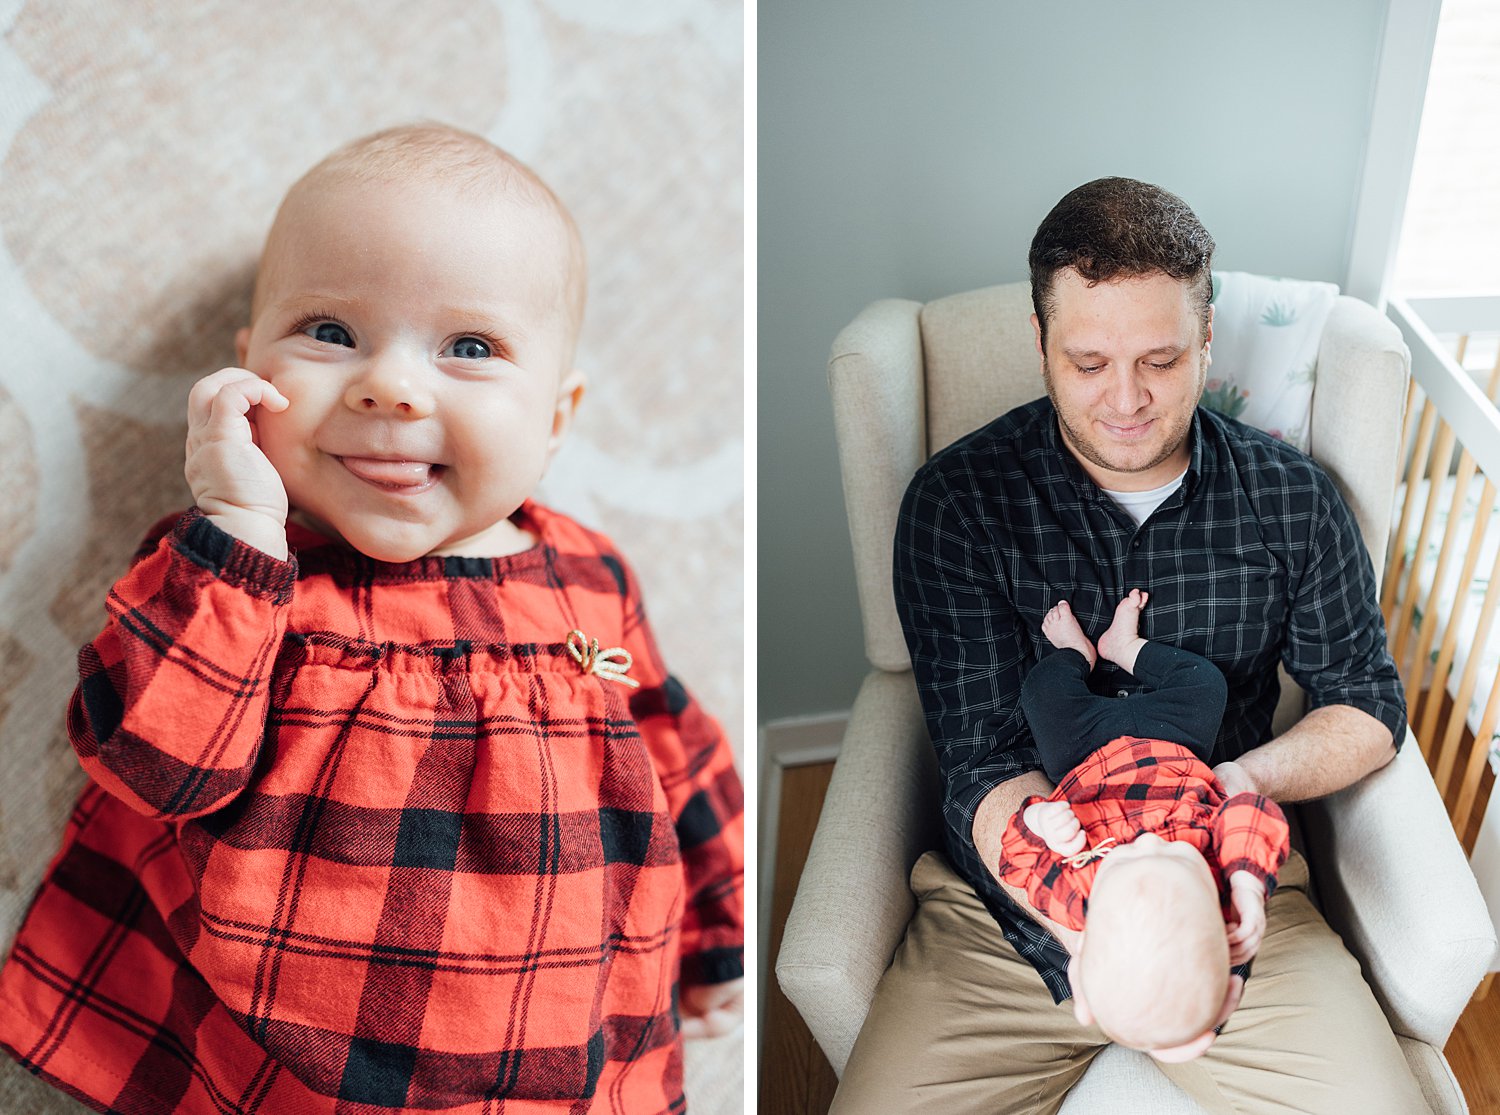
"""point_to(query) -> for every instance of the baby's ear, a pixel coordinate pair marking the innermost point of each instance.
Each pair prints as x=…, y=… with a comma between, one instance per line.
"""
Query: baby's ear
x=241, y=345
x=1178, y=1054
x=569, y=395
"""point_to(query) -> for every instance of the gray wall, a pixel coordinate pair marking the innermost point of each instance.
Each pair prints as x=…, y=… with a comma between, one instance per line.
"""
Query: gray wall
x=909, y=150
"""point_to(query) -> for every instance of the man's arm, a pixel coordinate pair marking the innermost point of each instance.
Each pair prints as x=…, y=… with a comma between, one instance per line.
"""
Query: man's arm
x=1336, y=651
x=1328, y=749
x=990, y=820
x=969, y=654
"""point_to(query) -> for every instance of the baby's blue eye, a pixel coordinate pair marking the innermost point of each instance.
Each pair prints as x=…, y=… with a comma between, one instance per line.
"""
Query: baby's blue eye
x=330, y=334
x=470, y=348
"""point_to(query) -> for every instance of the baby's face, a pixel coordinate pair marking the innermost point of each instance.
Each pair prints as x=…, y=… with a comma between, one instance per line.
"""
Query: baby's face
x=421, y=335
x=1149, y=846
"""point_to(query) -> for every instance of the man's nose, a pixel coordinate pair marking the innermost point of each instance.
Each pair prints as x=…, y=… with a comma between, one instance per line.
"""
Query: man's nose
x=1127, y=392
x=388, y=387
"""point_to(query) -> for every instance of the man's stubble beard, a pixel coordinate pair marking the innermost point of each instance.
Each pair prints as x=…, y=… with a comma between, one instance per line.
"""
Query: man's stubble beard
x=1085, y=449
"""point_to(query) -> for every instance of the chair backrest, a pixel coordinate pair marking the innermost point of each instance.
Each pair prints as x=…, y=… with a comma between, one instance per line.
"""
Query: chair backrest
x=908, y=379
x=980, y=359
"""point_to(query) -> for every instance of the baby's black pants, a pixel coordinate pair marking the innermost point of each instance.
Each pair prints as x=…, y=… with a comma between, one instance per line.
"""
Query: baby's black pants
x=1068, y=722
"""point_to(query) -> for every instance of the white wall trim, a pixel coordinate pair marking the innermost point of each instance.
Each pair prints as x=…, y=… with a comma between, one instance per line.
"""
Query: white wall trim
x=788, y=738
x=1395, y=120
x=790, y=742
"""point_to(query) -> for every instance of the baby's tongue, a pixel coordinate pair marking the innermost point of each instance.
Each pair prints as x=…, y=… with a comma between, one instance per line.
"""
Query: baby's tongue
x=389, y=472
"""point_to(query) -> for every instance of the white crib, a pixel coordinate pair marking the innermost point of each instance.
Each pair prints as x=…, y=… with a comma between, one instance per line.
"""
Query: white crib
x=1439, y=590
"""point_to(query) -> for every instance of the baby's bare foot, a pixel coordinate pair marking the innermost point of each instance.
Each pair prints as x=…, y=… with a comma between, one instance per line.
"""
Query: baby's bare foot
x=1122, y=642
x=1062, y=631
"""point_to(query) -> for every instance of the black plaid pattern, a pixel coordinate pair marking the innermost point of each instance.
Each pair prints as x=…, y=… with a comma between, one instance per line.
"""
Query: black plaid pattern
x=1254, y=560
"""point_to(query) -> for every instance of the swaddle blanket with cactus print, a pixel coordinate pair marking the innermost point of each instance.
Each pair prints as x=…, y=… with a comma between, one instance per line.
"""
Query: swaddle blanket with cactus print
x=1265, y=351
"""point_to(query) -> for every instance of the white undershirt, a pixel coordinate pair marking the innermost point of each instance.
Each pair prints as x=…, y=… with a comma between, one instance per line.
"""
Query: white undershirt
x=1139, y=505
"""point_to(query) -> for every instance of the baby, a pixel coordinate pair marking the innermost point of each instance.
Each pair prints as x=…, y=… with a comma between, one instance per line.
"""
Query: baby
x=1140, y=836
x=393, y=805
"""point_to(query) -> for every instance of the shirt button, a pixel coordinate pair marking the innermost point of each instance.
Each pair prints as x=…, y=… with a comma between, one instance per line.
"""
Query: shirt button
x=1122, y=693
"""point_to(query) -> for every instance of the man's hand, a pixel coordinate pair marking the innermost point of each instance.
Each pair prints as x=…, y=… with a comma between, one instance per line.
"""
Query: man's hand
x=1057, y=825
x=711, y=1010
x=1247, y=896
x=232, y=481
x=1235, y=779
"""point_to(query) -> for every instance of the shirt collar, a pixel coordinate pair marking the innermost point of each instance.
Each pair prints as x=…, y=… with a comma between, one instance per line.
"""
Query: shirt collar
x=1084, y=485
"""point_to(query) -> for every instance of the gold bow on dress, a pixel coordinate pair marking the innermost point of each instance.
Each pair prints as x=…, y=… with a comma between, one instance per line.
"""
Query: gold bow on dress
x=1078, y=859
x=610, y=664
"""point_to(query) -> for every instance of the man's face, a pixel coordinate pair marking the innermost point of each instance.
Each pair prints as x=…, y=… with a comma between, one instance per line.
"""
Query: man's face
x=1125, y=366
x=421, y=336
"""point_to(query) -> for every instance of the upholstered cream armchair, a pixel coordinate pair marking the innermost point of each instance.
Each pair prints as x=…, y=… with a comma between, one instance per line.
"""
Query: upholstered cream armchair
x=908, y=379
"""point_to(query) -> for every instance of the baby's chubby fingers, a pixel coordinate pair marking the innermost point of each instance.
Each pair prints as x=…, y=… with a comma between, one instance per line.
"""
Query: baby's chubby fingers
x=1241, y=951
x=218, y=402
x=1071, y=846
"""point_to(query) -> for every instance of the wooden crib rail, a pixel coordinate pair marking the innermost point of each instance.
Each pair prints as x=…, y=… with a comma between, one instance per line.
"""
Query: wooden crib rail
x=1450, y=435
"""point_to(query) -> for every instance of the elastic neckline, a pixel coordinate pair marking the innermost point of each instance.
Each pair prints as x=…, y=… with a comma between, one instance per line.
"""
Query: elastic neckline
x=318, y=553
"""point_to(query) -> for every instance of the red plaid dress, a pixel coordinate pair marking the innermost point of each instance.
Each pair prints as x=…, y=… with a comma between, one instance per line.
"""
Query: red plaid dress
x=366, y=837
x=1130, y=786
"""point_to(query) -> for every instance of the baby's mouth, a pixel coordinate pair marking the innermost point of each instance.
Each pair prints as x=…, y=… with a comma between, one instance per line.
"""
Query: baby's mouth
x=394, y=476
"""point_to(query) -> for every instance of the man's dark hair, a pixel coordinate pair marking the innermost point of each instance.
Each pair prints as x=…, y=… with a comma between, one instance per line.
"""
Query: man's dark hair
x=1114, y=228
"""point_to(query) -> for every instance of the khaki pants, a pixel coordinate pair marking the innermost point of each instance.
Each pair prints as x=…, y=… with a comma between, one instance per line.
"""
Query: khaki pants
x=961, y=1023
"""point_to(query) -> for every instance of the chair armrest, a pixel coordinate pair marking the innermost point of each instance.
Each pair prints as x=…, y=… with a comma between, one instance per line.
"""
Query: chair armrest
x=854, y=901
x=1396, y=886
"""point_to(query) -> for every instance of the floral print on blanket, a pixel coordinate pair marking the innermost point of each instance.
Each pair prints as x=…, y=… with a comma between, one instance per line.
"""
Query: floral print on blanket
x=1265, y=351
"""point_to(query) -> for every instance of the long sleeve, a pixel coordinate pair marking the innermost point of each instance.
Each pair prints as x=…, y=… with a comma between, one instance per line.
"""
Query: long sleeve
x=696, y=768
x=1251, y=834
x=171, y=702
x=968, y=654
x=1336, y=644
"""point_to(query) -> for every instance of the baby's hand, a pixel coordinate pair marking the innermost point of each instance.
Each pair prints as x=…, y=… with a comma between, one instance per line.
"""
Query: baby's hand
x=232, y=481
x=1247, y=896
x=711, y=1010
x=1056, y=824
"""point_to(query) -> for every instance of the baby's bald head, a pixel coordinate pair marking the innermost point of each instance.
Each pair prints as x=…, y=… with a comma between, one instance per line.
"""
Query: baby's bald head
x=1155, y=959
x=438, y=156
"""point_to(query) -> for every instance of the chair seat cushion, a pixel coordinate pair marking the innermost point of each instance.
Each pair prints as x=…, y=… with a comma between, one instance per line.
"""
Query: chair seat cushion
x=1123, y=1081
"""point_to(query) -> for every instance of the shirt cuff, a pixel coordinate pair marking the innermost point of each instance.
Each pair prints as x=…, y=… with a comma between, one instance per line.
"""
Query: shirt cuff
x=231, y=560
x=718, y=965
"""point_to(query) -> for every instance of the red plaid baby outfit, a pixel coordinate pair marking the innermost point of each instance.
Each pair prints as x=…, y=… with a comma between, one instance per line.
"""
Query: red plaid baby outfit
x=367, y=837
x=1130, y=786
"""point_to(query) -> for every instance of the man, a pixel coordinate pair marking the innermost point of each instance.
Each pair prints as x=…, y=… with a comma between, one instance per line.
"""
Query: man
x=1115, y=481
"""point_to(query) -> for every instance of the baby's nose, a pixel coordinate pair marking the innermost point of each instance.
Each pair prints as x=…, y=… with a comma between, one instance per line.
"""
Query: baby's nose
x=389, y=391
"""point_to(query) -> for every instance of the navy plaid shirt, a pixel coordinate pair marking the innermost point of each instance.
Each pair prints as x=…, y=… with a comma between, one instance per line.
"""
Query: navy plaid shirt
x=1254, y=560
